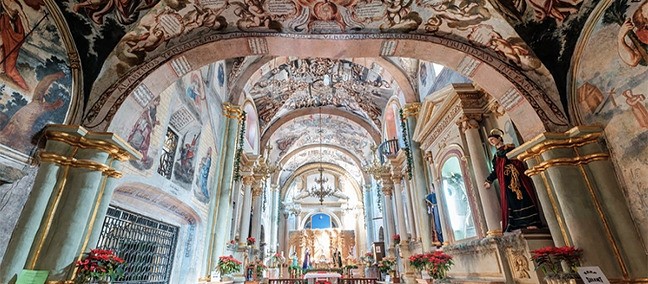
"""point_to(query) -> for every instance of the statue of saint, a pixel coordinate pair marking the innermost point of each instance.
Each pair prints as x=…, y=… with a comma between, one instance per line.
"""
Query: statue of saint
x=517, y=194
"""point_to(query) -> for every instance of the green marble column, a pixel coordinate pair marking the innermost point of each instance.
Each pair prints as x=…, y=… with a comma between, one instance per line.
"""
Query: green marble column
x=419, y=188
x=589, y=211
x=56, y=226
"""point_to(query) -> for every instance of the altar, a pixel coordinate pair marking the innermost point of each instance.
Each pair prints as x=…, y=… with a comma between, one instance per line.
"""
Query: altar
x=321, y=245
x=313, y=277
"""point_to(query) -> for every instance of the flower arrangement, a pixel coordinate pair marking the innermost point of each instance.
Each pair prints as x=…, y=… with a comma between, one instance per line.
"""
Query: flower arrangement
x=232, y=245
x=228, y=265
x=99, y=264
x=396, y=238
x=436, y=263
x=259, y=268
x=251, y=241
x=387, y=264
x=367, y=258
x=276, y=260
x=549, y=260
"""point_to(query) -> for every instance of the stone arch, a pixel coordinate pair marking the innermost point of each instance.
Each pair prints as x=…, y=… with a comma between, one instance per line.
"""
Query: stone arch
x=527, y=103
x=314, y=166
x=334, y=218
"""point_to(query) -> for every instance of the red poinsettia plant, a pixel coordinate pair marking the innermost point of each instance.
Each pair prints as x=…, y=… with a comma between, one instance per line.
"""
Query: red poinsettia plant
x=251, y=241
x=396, y=238
x=99, y=264
x=549, y=259
x=228, y=265
x=436, y=263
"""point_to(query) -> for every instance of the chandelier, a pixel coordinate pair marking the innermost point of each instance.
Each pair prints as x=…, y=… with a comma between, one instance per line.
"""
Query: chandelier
x=319, y=190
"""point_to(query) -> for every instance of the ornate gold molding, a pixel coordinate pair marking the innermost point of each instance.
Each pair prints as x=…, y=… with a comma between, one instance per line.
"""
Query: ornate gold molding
x=561, y=143
x=541, y=167
x=232, y=111
x=85, y=143
x=520, y=264
x=84, y=164
x=411, y=109
x=497, y=109
x=494, y=233
x=248, y=180
x=556, y=210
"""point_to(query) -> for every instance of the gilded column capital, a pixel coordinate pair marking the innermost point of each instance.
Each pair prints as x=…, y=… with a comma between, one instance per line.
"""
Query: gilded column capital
x=247, y=179
x=468, y=121
x=397, y=177
x=411, y=109
x=388, y=188
x=257, y=190
x=78, y=136
x=232, y=111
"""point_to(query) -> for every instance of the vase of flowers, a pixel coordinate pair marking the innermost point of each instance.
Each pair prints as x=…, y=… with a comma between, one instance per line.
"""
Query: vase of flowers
x=99, y=266
x=251, y=241
x=227, y=265
x=558, y=263
x=386, y=265
x=436, y=264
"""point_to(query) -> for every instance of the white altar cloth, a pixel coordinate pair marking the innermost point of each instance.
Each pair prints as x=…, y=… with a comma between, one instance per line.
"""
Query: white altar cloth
x=333, y=277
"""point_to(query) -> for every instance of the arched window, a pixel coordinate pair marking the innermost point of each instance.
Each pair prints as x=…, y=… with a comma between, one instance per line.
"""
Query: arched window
x=459, y=214
x=381, y=234
x=320, y=221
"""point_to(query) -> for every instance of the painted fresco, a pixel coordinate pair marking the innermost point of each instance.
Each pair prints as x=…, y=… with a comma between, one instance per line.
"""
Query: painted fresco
x=141, y=133
x=167, y=25
x=336, y=130
x=611, y=84
x=550, y=28
x=305, y=83
x=97, y=26
x=35, y=77
x=329, y=155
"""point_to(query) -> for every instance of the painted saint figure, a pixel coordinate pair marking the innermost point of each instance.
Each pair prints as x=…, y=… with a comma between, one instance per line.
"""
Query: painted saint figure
x=517, y=194
x=636, y=102
x=632, y=39
x=203, y=174
x=140, y=135
x=12, y=32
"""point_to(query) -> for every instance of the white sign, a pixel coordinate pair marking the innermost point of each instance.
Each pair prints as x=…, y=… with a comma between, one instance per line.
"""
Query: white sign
x=592, y=275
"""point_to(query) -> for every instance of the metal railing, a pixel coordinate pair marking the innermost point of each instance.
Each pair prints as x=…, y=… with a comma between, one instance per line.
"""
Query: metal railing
x=388, y=148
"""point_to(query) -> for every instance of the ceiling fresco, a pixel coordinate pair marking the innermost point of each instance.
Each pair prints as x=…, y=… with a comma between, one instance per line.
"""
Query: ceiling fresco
x=328, y=156
x=169, y=25
x=335, y=130
x=307, y=83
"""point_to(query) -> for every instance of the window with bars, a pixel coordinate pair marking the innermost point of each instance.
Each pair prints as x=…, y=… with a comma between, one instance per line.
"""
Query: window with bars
x=146, y=245
x=169, y=149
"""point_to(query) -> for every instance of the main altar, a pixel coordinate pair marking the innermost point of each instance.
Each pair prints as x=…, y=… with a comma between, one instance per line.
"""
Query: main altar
x=322, y=244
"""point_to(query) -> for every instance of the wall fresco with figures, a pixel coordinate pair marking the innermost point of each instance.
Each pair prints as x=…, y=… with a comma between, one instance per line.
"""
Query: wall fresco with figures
x=550, y=28
x=177, y=135
x=35, y=76
x=473, y=21
x=610, y=90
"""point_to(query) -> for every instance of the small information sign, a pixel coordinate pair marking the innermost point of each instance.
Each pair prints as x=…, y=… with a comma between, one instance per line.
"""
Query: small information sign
x=592, y=275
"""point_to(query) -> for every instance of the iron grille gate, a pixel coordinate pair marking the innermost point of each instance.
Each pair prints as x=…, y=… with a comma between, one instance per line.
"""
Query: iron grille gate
x=146, y=245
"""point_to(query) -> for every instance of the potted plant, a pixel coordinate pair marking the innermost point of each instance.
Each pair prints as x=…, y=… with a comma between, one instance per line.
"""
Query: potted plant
x=437, y=264
x=251, y=241
x=227, y=265
x=387, y=266
x=558, y=263
x=396, y=238
x=99, y=266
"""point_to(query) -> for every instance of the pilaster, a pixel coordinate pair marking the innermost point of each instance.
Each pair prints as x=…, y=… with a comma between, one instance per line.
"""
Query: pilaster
x=74, y=182
x=419, y=183
x=589, y=211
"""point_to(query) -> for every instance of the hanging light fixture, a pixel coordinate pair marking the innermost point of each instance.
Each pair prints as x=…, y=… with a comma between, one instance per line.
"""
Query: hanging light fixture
x=319, y=190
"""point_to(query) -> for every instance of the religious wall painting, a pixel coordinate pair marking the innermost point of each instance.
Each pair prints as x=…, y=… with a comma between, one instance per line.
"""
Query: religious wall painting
x=140, y=135
x=202, y=179
x=194, y=90
x=35, y=78
x=184, y=167
x=610, y=90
